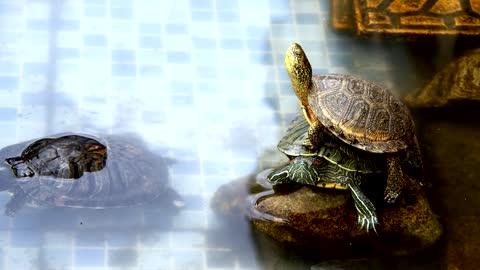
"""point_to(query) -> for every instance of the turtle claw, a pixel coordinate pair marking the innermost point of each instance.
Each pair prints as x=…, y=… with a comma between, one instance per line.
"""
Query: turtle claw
x=368, y=222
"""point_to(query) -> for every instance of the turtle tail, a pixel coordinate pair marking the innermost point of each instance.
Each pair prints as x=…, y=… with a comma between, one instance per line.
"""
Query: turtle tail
x=255, y=214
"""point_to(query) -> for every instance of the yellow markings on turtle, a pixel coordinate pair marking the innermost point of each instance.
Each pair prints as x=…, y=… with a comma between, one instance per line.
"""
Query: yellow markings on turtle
x=331, y=186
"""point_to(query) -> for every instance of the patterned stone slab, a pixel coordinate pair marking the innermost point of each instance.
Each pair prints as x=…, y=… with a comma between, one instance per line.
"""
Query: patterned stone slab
x=424, y=17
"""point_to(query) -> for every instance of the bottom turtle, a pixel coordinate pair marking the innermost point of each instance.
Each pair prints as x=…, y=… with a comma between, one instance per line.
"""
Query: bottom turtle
x=73, y=171
x=322, y=173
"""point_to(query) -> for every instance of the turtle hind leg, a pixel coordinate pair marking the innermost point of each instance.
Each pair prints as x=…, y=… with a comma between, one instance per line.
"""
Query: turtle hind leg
x=367, y=214
x=395, y=179
x=16, y=202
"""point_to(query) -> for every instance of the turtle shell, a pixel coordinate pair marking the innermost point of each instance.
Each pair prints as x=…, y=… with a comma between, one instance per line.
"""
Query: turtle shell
x=361, y=113
x=332, y=149
x=63, y=157
x=132, y=175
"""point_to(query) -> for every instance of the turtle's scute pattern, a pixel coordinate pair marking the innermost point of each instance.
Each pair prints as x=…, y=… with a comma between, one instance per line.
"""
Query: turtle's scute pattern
x=361, y=113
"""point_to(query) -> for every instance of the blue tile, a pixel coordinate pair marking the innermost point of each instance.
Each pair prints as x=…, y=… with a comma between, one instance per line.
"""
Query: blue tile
x=150, y=42
x=121, y=13
x=8, y=67
x=90, y=238
x=89, y=257
x=261, y=58
x=150, y=28
x=280, y=18
x=153, y=117
x=186, y=167
x=150, y=70
x=121, y=239
x=95, y=2
x=26, y=239
x=38, y=24
x=230, y=29
x=221, y=259
x=206, y=72
x=178, y=57
x=68, y=25
x=122, y=258
x=213, y=167
x=228, y=16
x=176, y=28
x=339, y=45
x=95, y=11
x=231, y=43
x=10, y=9
x=122, y=26
x=123, y=56
x=226, y=4
x=58, y=258
x=258, y=45
x=31, y=68
x=340, y=60
x=188, y=259
x=195, y=202
x=201, y=4
x=122, y=3
x=8, y=82
x=124, y=70
x=10, y=37
x=204, y=43
x=68, y=67
x=202, y=16
x=307, y=18
x=181, y=88
x=96, y=54
x=99, y=40
x=67, y=53
x=256, y=32
x=237, y=104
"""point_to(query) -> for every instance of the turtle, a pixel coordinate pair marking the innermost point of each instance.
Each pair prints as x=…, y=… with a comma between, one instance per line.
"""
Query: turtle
x=67, y=156
x=317, y=171
x=360, y=113
x=334, y=165
x=72, y=170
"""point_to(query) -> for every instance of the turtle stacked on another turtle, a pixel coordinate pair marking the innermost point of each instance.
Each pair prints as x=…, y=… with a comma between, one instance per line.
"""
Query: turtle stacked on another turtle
x=357, y=126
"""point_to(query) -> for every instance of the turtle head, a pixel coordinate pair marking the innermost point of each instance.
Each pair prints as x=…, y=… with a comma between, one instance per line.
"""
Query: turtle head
x=300, y=72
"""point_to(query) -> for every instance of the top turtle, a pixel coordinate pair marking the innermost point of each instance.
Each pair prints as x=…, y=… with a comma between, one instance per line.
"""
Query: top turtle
x=360, y=113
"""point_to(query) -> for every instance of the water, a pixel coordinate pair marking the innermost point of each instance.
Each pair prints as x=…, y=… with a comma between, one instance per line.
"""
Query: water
x=204, y=83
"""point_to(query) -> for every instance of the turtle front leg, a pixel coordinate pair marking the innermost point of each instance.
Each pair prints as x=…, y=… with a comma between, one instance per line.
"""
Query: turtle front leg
x=367, y=214
x=395, y=178
x=315, y=132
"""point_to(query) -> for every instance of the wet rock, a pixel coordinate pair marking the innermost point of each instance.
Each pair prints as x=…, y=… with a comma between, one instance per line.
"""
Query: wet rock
x=324, y=221
x=459, y=81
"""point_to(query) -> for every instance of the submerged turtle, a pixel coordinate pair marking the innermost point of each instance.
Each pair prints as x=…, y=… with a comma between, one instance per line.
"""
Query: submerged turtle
x=64, y=157
x=74, y=171
x=360, y=113
x=334, y=165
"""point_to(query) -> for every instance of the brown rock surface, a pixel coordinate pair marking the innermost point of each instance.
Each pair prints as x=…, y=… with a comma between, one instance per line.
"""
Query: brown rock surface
x=328, y=216
x=459, y=81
